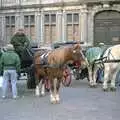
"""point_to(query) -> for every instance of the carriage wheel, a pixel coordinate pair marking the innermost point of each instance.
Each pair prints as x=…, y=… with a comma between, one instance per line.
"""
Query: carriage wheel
x=31, y=79
x=31, y=82
x=67, y=77
x=76, y=73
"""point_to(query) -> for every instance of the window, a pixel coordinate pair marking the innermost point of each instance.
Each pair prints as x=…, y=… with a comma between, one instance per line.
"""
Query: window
x=73, y=26
x=29, y=20
x=50, y=28
x=76, y=17
x=32, y=20
x=10, y=27
x=26, y=20
x=69, y=18
x=29, y=26
x=53, y=18
x=50, y=18
x=7, y=20
x=47, y=18
x=13, y=20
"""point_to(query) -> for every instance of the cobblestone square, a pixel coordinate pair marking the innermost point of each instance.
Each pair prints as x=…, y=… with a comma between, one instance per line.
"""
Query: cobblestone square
x=78, y=102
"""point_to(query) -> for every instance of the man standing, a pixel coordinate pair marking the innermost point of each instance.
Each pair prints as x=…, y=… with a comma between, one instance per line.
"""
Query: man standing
x=100, y=72
x=10, y=64
x=93, y=54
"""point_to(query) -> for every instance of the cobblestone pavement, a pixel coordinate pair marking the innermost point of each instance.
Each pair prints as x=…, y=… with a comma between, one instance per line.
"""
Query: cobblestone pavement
x=78, y=102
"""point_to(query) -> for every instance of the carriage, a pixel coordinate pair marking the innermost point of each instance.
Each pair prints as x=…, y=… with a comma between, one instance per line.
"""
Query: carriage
x=27, y=67
x=75, y=68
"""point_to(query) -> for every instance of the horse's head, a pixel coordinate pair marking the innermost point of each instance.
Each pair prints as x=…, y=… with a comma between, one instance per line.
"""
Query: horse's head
x=77, y=54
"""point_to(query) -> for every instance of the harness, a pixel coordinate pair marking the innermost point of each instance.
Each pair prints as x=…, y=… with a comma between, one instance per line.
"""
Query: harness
x=106, y=59
x=44, y=59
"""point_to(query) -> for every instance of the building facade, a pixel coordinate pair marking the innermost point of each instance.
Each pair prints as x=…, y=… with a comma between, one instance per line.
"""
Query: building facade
x=49, y=21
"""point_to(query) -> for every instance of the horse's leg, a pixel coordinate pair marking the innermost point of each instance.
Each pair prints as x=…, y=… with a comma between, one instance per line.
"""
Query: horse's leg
x=114, y=73
x=52, y=97
x=106, y=76
x=53, y=91
x=42, y=87
x=57, y=90
x=37, y=89
x=90, y=75
x=95, y=69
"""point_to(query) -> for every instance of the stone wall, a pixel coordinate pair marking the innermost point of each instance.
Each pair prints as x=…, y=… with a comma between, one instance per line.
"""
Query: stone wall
x=86, y=15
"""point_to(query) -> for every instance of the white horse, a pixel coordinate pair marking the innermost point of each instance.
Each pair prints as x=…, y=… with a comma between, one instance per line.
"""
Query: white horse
x=111, y=66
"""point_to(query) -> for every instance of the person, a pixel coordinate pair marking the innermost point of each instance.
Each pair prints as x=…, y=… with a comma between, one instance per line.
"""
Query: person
x=10, y=65
x=100, y=72
x=92, y=54
x=20, y=42
x=102, y=46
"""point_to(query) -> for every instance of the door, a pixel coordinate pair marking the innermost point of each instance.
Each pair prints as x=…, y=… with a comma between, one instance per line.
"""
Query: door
x=107, y=28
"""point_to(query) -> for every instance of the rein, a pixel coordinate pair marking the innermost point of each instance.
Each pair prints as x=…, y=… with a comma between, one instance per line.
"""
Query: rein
x=52, y=66
x=101, y=60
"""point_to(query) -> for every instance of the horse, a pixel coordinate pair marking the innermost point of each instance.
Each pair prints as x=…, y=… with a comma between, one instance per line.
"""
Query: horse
x=111, y=59
x=51, y=65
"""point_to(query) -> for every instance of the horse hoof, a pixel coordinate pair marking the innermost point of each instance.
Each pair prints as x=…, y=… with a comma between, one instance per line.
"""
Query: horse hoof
x=57, y=102
x=112, y=89
x=37, y=94
x=53, y=102
x=42, y=95
x=105, y=89
x=91, y=86
x=94, y=86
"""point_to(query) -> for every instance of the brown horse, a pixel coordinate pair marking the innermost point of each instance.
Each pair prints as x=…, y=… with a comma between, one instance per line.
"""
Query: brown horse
x=51, y=64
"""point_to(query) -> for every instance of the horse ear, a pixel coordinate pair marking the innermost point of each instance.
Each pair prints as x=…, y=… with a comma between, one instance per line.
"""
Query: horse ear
x=76, y=46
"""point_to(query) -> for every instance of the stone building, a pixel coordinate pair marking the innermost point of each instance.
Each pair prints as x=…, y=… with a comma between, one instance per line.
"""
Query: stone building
x=48, y=21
